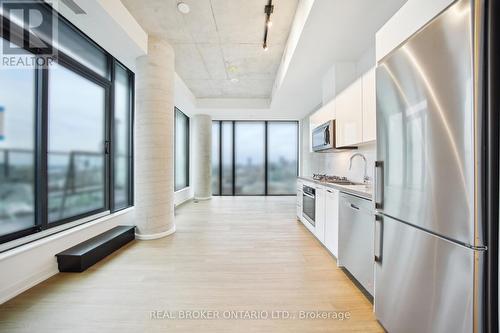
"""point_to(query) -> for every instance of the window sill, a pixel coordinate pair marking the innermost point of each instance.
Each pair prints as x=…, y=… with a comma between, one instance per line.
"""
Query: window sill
x=27, y=243
x=182, y=189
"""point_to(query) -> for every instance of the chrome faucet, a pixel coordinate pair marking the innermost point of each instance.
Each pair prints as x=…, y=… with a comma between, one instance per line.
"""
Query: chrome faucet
x=366, y=179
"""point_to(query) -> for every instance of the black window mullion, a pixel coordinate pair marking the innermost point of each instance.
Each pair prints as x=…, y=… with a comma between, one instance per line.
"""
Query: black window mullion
x=266, y=172
x=41, y=148
x=108, y=174
x=131, y=137
x=188, y=150
x=82, y=70
x=233, y=190
x=220, y=157
x=111, y=137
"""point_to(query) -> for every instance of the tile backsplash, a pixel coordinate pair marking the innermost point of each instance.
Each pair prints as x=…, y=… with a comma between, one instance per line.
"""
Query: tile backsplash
x=335, y=163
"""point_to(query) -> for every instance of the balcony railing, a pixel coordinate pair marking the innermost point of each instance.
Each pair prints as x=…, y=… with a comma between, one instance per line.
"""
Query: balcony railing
x=75, y=182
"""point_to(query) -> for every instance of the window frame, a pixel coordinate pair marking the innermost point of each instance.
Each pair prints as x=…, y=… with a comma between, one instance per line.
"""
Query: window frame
x=266, y=155
x=187, y=151
x=216, y=129
x=41, y=110
x=107, y=133
x=131, y=80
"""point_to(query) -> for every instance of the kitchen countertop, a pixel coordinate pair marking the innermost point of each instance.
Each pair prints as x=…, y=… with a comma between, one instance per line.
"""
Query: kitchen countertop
x=361, y=190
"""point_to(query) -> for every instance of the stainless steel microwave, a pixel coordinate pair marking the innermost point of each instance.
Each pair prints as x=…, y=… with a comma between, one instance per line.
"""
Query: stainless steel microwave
x=323, y=138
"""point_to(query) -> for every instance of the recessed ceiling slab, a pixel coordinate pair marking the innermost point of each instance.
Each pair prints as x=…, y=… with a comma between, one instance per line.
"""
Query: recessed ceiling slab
x=220, y=40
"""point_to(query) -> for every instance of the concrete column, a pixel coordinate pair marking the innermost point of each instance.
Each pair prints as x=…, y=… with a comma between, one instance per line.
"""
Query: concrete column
x=154, y=141
x=202, y=156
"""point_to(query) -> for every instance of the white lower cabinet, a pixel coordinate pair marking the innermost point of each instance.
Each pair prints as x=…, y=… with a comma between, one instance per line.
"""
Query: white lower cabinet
x=319, y=228
x=299, y=199
x=332, y=221
x=326, y=227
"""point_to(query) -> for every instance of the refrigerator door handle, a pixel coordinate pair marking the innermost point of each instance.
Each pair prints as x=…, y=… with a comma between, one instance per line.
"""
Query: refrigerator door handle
x=379, y=184
x=378, y=241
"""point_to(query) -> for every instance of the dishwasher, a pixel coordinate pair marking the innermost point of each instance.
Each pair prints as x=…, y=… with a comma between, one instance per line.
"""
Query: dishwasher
x=356, y=232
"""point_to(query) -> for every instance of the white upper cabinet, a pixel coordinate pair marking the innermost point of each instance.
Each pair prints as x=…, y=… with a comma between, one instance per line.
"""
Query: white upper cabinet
x=356, y=109
x=369, y=106
x=349, y=122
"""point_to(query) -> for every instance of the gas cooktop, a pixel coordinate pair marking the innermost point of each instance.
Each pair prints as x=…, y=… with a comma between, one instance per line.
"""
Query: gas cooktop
x=332, y=179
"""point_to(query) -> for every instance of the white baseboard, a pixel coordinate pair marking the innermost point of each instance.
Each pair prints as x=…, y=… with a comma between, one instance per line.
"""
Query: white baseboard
x=23, y=285
x=155, y=236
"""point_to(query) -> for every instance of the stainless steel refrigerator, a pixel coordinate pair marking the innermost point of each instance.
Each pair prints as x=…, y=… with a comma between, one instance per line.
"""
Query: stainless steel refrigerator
x=437, y=177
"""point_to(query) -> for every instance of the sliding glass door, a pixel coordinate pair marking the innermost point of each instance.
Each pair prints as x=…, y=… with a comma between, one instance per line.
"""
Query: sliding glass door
x=254, y=157
x=76, y=138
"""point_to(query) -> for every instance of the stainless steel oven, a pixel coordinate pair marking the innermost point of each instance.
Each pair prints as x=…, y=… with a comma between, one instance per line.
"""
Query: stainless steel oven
x=309, y=204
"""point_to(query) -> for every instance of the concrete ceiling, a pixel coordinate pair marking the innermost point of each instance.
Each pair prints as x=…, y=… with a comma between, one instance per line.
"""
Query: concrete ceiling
x=218, y=45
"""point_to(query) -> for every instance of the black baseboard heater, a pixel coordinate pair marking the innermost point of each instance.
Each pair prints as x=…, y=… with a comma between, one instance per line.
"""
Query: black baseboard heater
x=80, y=257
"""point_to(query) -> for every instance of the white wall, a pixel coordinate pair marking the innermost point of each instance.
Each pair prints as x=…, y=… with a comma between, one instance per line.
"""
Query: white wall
x=30, y=264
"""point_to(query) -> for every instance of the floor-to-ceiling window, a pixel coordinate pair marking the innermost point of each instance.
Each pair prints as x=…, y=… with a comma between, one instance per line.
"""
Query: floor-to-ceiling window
x=250, y=155
x=65, y=129
x=181, y=150
x=227, y=158
x=282, y=143
x=254, y=157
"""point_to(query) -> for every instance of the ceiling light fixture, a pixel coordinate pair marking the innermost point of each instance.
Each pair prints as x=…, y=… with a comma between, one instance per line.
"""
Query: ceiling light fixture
x=183, y=7
x=268, y=9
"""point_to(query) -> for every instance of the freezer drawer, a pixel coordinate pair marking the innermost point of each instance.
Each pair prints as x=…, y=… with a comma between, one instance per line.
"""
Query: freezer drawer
x=356, y=239
x=422, y=283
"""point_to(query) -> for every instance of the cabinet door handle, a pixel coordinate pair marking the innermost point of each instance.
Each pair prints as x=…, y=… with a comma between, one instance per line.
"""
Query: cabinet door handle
x=379, y=238
x=354, y=206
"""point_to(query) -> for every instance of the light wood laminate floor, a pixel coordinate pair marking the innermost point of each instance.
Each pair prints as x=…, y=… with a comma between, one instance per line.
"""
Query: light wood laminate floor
x=228, y=254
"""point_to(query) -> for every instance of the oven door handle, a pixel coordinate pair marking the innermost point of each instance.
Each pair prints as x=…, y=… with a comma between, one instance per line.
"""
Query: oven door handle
x=308, y=195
